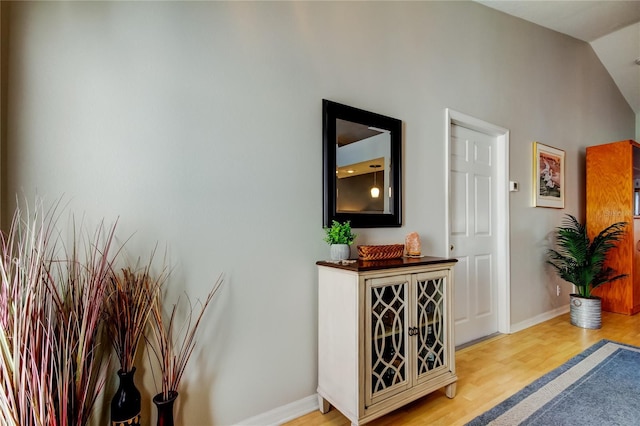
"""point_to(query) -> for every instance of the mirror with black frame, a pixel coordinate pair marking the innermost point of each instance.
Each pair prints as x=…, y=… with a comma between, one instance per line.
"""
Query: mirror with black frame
x=361, y=167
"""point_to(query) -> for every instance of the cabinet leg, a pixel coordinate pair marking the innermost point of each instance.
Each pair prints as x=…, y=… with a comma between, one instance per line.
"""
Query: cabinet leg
x=323, y=405
x=450, y=390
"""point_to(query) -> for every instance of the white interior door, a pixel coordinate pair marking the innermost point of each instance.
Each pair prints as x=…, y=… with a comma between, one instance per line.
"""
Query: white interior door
x=477, y=212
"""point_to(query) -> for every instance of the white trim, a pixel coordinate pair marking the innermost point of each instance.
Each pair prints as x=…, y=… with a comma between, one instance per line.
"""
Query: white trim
x=283, y=414
x=539, y=318
x=502, y=233
x=303, y=406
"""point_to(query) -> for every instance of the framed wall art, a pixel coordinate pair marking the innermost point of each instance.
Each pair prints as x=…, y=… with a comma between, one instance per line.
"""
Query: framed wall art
x=548, y=176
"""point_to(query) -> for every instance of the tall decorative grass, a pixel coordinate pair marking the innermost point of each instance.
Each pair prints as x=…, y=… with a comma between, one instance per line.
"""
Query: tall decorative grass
x=129, y=302
x=26, y=324
x=173, y=342
x=52, y=363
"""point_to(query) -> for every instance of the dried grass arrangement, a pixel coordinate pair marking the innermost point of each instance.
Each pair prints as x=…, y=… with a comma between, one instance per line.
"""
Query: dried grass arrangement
x=52, y=366
x=56, y=295
x=128, y=305
x=172, y=344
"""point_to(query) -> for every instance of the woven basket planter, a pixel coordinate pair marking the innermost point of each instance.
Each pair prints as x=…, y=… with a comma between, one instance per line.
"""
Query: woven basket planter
x=586, y=312
x=391, y=251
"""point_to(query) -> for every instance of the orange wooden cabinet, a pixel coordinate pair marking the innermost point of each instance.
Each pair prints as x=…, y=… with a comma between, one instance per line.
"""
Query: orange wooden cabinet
x=611, y=171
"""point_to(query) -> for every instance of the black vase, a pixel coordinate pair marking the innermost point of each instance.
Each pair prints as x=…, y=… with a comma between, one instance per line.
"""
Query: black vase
x=125, y=405
x=165, y=408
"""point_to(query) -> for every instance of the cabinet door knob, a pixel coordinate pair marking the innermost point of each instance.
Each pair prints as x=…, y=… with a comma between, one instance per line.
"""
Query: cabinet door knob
x=451, y=247
x=413, y=331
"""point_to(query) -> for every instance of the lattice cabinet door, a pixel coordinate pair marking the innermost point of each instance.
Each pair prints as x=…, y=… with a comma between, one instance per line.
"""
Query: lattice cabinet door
x=431, y=329
x=386, y=336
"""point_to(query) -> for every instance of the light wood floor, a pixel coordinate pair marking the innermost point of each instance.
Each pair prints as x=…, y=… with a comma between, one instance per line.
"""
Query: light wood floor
x=492, y=370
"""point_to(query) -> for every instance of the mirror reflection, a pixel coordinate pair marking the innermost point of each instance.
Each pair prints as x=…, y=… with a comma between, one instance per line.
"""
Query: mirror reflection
x=361, y=166
x=363, y=157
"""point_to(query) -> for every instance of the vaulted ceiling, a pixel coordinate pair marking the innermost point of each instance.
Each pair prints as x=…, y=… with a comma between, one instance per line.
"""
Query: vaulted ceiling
x=612, y=27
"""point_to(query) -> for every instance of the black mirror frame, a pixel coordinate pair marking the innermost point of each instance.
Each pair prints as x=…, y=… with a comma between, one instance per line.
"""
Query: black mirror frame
x=332, y=111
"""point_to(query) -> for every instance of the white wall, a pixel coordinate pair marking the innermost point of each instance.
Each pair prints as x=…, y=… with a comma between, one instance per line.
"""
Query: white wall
x=198, y=124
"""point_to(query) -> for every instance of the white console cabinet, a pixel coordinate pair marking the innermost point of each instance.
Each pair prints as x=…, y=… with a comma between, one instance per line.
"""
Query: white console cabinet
x=385, y=334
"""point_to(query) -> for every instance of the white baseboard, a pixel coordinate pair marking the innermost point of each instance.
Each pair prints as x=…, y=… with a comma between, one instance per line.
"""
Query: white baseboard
x=303, y=406
x=539, y=318
x=283, y=414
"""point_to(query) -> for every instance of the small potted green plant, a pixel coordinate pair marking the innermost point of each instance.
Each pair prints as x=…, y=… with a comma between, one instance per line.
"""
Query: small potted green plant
x=581, y=262
x=340, y=238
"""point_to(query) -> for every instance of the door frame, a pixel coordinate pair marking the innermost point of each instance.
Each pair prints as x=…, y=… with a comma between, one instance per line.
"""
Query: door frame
x=502, y=203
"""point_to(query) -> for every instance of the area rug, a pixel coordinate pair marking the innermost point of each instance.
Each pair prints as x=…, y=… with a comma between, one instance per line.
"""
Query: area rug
x=600, y=386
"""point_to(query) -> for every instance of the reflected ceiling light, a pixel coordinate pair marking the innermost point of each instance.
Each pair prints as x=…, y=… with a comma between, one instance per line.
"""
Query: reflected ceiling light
x=350, y=171
x=375, y=191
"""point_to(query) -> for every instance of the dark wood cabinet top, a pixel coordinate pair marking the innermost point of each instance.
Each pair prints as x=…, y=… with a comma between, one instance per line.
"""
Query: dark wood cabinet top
x=359, y=265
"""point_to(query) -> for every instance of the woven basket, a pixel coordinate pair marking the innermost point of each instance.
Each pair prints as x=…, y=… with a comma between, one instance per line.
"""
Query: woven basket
x=391, y=251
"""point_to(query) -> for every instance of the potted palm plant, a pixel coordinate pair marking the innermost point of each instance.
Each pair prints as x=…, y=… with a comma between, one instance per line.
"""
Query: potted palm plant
x=340, y=238
x=581, y=261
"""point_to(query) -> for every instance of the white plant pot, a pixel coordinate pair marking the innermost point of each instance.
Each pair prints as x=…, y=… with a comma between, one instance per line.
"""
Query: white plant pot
x=340, y=251
x=585, y=312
